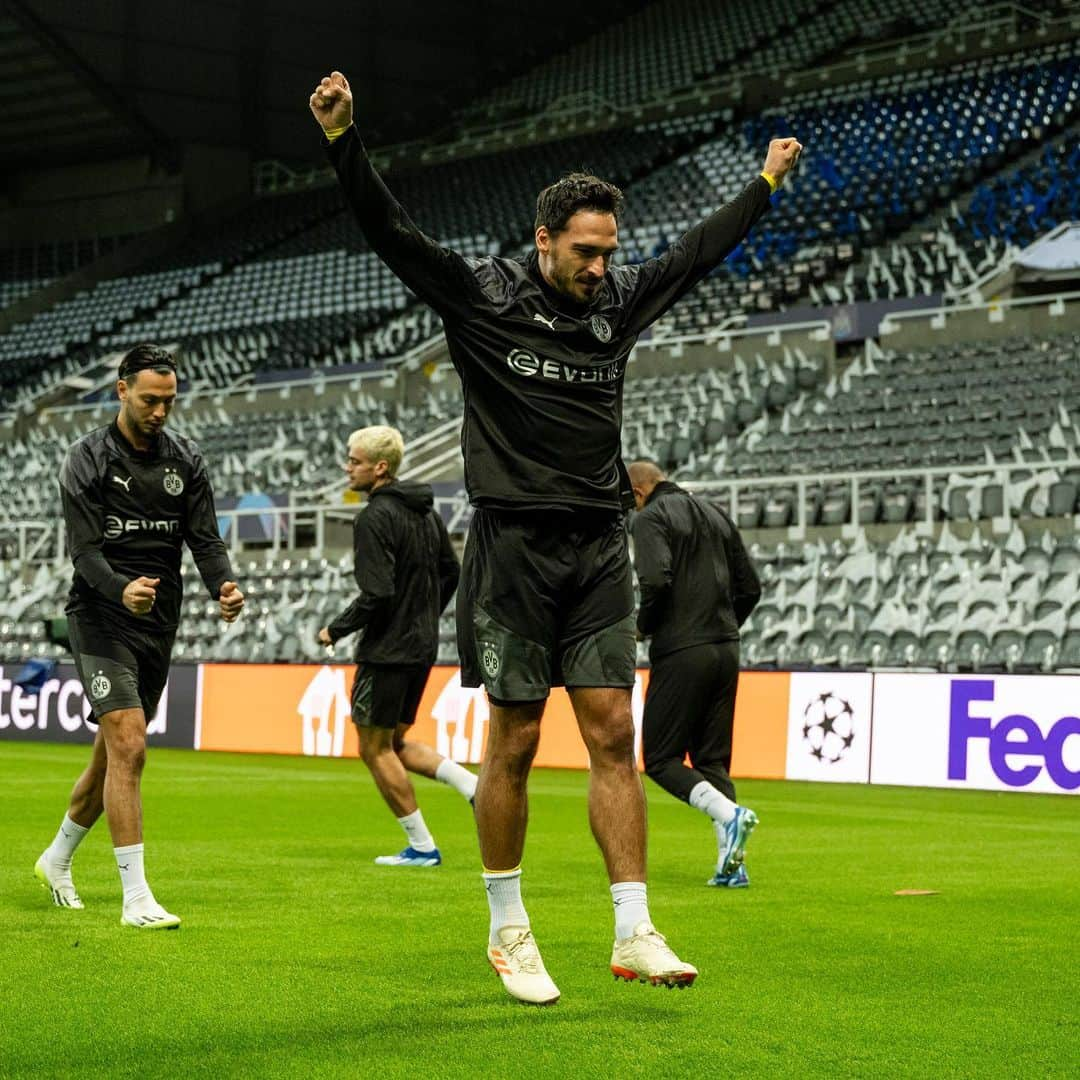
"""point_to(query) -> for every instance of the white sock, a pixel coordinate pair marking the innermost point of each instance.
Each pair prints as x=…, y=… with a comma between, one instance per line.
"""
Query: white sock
x=712, y=801
x=129, y=861
x=67, y=839
x=504, y=901
x=631, y=907
x=461, y=780
x=417, y=832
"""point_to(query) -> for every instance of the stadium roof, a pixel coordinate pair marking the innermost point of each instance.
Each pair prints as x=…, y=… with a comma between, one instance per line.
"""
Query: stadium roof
x=93, y=79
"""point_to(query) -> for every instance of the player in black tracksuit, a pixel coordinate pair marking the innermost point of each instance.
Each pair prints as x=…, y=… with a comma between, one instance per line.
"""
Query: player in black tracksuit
x=406, y=571
x=698, y=586
x=546, y=598
x=132, y=495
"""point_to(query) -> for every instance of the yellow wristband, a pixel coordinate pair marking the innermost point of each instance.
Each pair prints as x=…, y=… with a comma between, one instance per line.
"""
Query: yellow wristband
x=771, y=181
x=335, y=133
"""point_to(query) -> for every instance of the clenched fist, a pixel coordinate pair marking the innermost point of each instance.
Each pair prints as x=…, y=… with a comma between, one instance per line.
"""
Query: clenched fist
x=331, y=102
x=231, y=600
x=140, y=594
x=781, y=158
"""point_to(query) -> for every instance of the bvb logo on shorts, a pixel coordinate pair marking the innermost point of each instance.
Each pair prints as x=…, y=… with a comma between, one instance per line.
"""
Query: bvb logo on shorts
x=174, y=485
x=490, y=659
x=100, y=686
x=601, y=328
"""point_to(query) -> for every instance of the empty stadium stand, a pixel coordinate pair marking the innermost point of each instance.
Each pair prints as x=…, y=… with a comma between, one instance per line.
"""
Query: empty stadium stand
x=911, y=505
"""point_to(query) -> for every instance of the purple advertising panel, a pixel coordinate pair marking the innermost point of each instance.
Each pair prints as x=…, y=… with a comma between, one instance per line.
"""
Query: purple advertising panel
x=995, y=732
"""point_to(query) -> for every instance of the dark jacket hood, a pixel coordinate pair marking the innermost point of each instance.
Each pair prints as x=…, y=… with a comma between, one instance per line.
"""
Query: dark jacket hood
x=416, y=496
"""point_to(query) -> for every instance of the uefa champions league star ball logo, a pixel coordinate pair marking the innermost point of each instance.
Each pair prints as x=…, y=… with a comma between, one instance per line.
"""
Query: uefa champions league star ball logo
x=100, y=686
x=490, y=659
x=601, y=328
x=173, y=483
x=828, y=727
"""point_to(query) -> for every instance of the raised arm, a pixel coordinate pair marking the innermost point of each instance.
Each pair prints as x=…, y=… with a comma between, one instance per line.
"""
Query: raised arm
x=663, y=280
x=439, y=276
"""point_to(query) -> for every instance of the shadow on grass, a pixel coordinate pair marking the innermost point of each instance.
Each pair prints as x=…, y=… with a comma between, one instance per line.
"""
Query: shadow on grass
x=457, y=1037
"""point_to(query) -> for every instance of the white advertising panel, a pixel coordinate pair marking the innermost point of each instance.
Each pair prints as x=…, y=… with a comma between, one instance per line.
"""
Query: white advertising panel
x=997, y=732
x=829, y=726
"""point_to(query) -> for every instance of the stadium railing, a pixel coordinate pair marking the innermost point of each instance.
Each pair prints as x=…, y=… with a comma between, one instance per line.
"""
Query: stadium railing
x=730, y=334
x=1003, y=312
x=35, y=542
x=806, y=486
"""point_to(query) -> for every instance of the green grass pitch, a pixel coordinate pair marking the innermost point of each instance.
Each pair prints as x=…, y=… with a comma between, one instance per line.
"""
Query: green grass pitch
x=299, y=957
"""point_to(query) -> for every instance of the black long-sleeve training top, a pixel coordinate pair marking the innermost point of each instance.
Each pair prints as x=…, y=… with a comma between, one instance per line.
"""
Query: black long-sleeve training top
x=542, y=376
x=127, y=512
x=697, y=582
x=406, y=570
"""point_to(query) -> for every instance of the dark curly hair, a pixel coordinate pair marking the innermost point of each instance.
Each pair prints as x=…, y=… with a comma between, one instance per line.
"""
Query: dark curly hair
x=558, y=203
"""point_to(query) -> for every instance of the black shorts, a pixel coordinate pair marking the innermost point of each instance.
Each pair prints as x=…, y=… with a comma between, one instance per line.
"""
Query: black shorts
x=386, y=695
x=120, y=668
x=546, y=599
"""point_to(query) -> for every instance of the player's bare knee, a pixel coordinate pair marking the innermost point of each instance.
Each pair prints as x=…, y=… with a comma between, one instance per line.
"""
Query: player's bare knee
x=128, y=754
x=515, y=745
x=611, y=744
x=374, y=743
x=125, y=738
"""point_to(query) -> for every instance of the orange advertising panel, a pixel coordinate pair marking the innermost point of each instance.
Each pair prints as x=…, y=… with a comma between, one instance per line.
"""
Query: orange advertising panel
x=305, y=709
x=275, y=709
x=759, y=743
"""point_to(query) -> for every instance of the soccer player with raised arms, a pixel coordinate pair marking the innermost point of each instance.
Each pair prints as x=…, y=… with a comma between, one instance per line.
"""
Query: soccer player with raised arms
x=546, y=595
x=132, y=495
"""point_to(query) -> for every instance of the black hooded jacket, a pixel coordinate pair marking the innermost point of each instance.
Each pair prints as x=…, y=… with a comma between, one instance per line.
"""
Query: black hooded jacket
x=697, y=582
x=406, y=571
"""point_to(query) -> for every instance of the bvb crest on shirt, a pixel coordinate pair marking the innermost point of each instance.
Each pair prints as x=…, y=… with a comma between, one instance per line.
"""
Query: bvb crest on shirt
x=174, y=485
x=601, y=328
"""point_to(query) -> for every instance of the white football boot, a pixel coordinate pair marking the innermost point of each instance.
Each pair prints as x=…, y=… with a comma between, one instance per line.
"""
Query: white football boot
x=516, y=960
x=58, y=882
x=647, y=957
x=147, y=914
